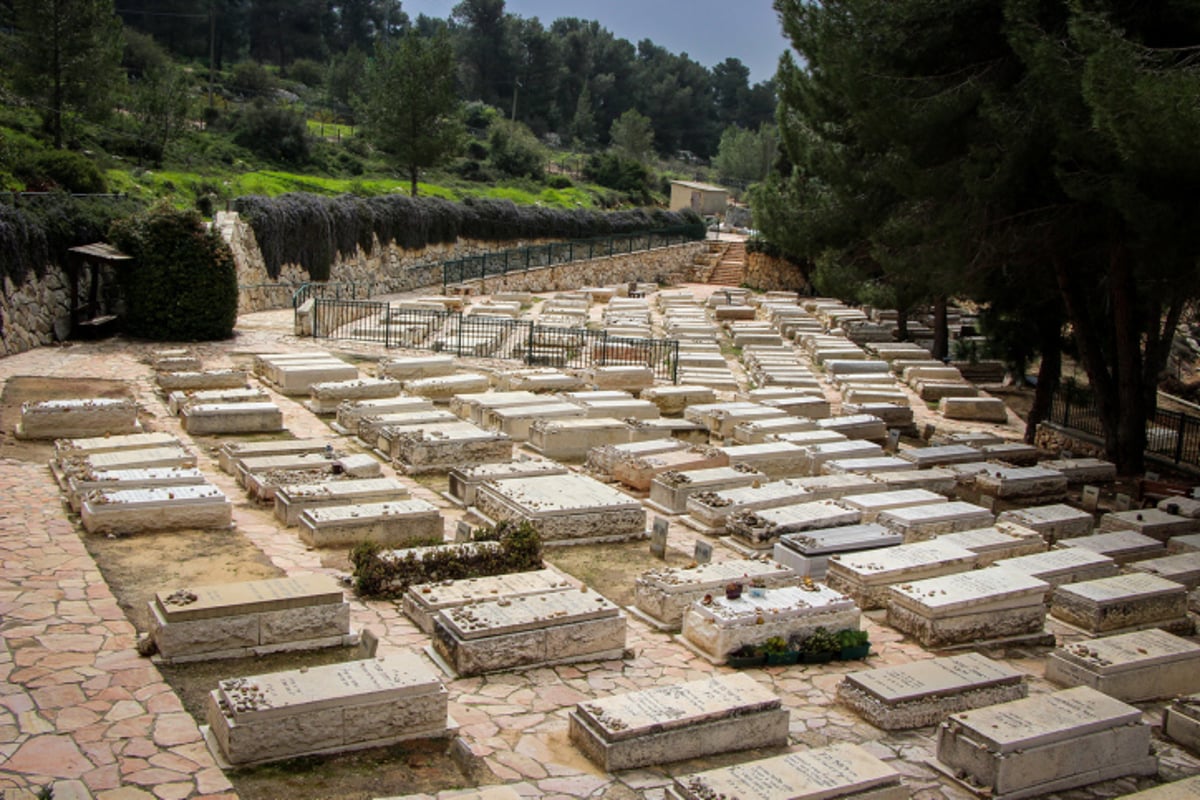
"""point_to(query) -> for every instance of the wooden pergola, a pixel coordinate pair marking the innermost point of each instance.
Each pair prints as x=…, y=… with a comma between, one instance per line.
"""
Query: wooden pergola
x=88, y=316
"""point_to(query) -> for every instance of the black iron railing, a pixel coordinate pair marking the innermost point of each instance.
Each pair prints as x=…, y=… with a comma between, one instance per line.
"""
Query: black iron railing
x=478, y=336
x=1173, y=435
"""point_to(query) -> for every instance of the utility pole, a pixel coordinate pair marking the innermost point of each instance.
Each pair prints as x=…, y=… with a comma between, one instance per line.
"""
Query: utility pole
x=212, y=49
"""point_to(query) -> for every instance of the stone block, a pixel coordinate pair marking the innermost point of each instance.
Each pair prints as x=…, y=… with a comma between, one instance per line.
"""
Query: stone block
x=977, y=606
x=975, y=409
x=127, y=511
x=211, y=419
x=924, y=693
x=1150, y=522
x=206, y=380
x=290, y=501
x=1123, y=547
x=1045, y=744
x=422, y=602
x=665, y=594
x=917, y=523
x=564, y=509
x=1123, y=602
x=399, y=523
x=97, y=416
x=1053, y=522
x=1133, y=667
x=673, y=723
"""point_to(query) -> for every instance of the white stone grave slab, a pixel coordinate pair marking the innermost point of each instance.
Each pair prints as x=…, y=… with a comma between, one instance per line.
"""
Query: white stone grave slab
x=290, y=501
x=872, y=504
x=969, y=607
x=96, y=416
x=638, y=472
x=475, y=408
x=324, y=398
x=169, y=508
x=1068, y=565
x=66, y=449
x=326, y=709
x=443, y=388
x=235, y=620
x=422, y=602
x=1123, y=602
x=867, y=576
x=997, y=542
x=571, y=439
x=1026, y=484
x=1182, y=568
x=1053, y=522
x=759, y=530
x=1181, y=721
x=408, y=368
x=442, y=448
x=1039, y=745
x=1084, y=470
x=1151, y=522
x=465, y=481
x=654, y=726
x=808, y=553
x=917, y=523
x=670, y=490
x=232, y=452
x=1123, y=547
x=835, y=772
x=924, y=693
x=975, y=409
x=397, y=523
x=564, y=509
x=211, y=419
x=1133, y=667
x=661, y=596
x=721, y=626
x=560, y=627
x=178, y=401
x=190, y=381
x=78, y=486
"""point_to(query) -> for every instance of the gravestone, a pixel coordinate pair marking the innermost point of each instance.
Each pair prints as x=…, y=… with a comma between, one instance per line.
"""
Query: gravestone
x=1058, y=567
x=868, y=576
x=167, y=508
x=251, y=618
x=326, y=709
x=661, y=596
x=1123, y=602
x=564, y=509
x=1181, y=721
x=1134, y=667
x=836, y=772
x=809, y=553
x=969, y=607
x=397, y=523
x=549, y=628
x=465, y=481
x=702, y=553
x=1054, y=522
x=677, y=722
x=926, y=692
x=1090, y=498
x=422, y=602
x=658, y=538
x=290, y=501
x=1123, y=547
x=1044, y=744
x=96, y=416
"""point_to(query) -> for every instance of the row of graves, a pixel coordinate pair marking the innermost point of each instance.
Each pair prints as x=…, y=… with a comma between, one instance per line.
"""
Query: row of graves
x=958, y=547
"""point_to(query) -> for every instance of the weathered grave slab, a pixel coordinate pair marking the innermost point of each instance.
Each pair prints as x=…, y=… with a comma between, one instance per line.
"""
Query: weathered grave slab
x=1068, y=565
x=808, y=553
x=721, y=626
x=663, y=595
x=211, y=419
x=1048, y=743
x=826, y=773
x=872, y=504
x=1053, y=522
x=549, y=628
x=236, y=620
x=924, y=693
x=564, y=509
x=1134, y=667
x=1151, y=522
x=997, y=542
x=95, y=416
x=397, y=523
x=80, y=485
x=673, y=723
x=169, y=508
x=1182, y=568
x=969, y=607
x=465, y=481
x=1123, y=547
x=917, y=523
x=232, y=452
x=290, y=501
x=1123, y=602
x=759, y=530
x=422, y=602
x=670, y=490
x=326, y=709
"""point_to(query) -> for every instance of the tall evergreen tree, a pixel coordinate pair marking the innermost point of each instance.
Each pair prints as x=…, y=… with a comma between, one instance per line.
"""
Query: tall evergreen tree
x=69, y=56
x=411, y=108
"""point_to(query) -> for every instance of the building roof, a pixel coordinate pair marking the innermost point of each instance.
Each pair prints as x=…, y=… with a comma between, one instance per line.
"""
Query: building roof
x=700, y=187
x=102, y=251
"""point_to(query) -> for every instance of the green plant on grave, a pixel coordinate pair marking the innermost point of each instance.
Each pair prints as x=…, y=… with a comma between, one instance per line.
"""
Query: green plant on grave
x=774, y=646
x=820, y=641
x=852, y=637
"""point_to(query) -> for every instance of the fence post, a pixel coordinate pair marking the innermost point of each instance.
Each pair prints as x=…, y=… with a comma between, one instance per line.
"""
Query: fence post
x=674, y=347
x=604, y=348
x=529, y=345
x=1066, y=391
x=316, y=321
x=458, y=337
x=1183, y=418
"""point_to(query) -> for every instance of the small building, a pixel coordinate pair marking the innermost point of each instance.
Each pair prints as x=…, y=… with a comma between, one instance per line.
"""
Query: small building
x=700, y=197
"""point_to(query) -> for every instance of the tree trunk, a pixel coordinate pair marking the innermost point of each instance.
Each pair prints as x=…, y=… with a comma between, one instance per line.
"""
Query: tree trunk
x=413, y=173
x=1049, y=375
x=941, y=333
x=902, y=323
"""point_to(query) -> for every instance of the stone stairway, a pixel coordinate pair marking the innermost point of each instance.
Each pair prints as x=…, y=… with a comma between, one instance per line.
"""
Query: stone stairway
x=731, y=268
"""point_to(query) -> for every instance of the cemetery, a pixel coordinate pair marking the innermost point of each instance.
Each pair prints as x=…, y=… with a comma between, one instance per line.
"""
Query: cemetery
x=790, y=588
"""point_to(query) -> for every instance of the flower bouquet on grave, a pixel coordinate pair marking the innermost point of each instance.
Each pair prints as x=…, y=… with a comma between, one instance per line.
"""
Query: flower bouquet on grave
x=855, y=644
x=733, y=590
x=758, y=587
x=746, y=656
x=819, y=647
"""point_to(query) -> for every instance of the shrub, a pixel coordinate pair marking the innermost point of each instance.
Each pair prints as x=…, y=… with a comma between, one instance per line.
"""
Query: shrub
x=61, y=169
x=251, y=79
x=620, y=173
x=308, y=72
x=182, y=285
x=274, y=133
x=384, y=573
x=560, y=182
x=515, y=151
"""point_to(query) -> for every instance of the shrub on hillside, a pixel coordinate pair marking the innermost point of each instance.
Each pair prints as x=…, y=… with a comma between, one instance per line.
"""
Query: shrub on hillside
x=515, y=151
x=182, y=285
x=251, y=79
x=273, y=133
x=618, y=172
x=61, y=169
x=311, y=231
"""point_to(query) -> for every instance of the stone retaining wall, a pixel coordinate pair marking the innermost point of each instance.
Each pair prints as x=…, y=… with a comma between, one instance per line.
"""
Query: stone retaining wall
x=393, y=269
x=766, y=273
x=28, y=313
x=1054, y=438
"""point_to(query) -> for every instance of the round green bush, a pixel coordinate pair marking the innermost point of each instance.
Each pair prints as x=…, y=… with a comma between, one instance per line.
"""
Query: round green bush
x=182, y=285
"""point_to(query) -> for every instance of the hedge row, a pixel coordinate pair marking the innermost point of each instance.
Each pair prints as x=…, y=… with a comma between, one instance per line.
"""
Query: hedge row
x=389, y=573
x=41, y=231
x=314, y=231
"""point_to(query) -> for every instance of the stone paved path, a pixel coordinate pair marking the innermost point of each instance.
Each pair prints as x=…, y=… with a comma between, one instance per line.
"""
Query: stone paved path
x=80, y=709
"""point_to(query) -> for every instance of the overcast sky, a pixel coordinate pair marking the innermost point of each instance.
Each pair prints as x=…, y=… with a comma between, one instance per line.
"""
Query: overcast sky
x=709, y=31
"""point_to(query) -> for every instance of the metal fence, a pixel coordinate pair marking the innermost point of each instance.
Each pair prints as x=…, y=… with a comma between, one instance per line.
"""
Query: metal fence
x=336, y=289
x=503, y=262
x=1172, y=435
x=479, y=336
